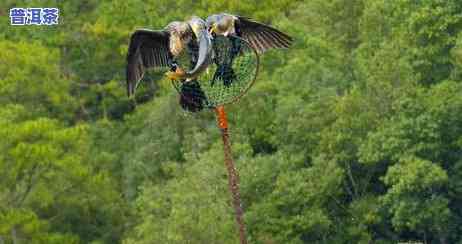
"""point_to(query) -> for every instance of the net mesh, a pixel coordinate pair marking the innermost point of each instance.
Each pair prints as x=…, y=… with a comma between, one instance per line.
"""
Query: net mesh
x=231, y=72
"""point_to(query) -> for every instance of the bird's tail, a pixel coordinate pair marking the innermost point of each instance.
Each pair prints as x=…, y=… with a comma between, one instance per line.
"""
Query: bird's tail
x=192, y=97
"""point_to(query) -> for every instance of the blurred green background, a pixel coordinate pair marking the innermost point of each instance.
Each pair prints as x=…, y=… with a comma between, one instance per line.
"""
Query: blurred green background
x=354, y=135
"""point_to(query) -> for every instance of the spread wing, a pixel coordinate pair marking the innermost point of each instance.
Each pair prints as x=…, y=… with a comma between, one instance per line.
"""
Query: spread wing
x=262, y=37
x=147, y=49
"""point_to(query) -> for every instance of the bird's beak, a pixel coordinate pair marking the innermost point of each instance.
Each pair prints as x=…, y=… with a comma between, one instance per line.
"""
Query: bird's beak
x=212, y=29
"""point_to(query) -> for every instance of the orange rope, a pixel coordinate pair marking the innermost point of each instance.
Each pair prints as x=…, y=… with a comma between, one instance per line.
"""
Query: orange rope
x=222, y=120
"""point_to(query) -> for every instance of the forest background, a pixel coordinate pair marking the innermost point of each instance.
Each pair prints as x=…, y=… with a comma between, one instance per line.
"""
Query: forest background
x=354, y=135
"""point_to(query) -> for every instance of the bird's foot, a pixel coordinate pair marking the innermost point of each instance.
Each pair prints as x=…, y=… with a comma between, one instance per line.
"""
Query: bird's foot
x=177, y=75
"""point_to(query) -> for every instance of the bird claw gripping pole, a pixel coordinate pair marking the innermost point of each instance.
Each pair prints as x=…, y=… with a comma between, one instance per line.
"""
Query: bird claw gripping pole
x=233, y=176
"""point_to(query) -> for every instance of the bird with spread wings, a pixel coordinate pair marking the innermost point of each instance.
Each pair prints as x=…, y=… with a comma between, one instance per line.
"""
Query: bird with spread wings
x=159, y=48
x=261, y=37
x=151, y=48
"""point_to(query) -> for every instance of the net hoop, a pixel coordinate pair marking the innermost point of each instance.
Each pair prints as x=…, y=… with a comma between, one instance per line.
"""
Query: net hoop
x=243, y=90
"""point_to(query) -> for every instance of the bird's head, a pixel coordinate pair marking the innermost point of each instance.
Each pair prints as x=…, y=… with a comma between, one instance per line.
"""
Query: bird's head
x=180, y=29
x=220, y=24
x=211, y=23
x=197, y=25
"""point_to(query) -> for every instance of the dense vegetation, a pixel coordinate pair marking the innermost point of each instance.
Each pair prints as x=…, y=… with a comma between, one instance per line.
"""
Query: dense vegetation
x=352, y=136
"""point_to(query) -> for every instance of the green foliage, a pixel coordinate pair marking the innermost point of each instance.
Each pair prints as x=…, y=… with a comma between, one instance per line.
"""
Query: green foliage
x=45, y=180
x=410, y=181
x=26, y=80
x=296, y=210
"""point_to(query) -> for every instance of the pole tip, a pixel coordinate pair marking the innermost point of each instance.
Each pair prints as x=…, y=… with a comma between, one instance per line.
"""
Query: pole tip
x=221, y=116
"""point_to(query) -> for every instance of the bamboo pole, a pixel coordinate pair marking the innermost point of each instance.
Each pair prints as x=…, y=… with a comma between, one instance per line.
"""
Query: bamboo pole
x=233, y=176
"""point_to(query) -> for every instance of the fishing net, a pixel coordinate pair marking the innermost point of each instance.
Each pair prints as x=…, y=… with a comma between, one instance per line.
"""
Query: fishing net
x=229, y=75
x=231, y=72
